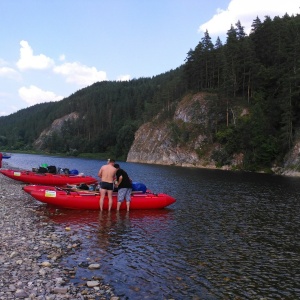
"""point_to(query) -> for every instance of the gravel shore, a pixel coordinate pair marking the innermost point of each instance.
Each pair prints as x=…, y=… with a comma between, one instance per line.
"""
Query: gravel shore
x=31, y=250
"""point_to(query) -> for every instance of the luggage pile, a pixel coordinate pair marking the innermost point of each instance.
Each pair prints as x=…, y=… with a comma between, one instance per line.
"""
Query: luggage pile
x=44, y=168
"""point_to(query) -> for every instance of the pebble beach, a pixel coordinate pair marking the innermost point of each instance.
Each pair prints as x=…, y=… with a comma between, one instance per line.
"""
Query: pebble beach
x=32, y=249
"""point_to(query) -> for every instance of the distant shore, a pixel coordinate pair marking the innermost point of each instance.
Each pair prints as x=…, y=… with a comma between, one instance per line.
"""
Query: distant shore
x=99, y=156
x=103, y=156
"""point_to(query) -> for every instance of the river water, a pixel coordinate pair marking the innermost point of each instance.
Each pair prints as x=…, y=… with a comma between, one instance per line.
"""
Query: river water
x=230, y=235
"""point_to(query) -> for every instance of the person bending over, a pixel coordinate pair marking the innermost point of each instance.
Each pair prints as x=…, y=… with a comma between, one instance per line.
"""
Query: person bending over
x=124, y=186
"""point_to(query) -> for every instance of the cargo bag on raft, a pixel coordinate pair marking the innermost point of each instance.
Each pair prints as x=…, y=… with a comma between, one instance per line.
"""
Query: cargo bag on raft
x=138, y=186
x=51, y=169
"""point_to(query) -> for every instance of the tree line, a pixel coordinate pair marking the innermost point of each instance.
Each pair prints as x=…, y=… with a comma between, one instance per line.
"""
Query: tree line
x=109, y=114
x=259, y=72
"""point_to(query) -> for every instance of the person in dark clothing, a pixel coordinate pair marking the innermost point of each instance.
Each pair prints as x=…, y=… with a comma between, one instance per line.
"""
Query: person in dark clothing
x=124, y=185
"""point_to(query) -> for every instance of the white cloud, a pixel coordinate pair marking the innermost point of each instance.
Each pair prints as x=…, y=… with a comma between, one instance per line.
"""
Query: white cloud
x=123, y=78
x=34, y=95
x=80, y=74
x=9, y=73
x=29, y=61
x=62, y=57
x=246, y=12
x=74, y=72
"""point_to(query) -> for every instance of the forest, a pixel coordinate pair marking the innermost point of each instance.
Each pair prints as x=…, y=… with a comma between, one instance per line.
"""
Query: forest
x=259, y=72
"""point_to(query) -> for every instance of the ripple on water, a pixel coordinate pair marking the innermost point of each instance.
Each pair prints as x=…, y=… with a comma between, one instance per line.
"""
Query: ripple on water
x=230, y=235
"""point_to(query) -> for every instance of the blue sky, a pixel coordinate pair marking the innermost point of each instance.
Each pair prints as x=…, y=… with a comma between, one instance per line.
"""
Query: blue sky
x=50, y=49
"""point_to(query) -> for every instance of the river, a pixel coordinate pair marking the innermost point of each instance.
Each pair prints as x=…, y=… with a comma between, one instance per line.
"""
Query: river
x=230, y=235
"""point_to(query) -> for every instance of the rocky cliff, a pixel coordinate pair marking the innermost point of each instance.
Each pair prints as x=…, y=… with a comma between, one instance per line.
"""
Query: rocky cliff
x=167, y=142
x=164, y=142
x=291, y=165
x=56, y=126
x=184, y=139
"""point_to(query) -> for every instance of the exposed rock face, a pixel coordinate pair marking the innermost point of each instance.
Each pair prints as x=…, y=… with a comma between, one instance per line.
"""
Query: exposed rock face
x=291, y=165
x=165, y=143
x=193, y=110
x=155, y=143
x=56, y=126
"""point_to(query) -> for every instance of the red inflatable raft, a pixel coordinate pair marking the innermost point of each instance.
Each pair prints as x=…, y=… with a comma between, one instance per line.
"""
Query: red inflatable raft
x=47, y=178
x=81, y=199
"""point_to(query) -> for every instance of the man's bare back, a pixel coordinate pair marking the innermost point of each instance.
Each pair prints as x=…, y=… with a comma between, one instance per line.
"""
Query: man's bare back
x=107, y=173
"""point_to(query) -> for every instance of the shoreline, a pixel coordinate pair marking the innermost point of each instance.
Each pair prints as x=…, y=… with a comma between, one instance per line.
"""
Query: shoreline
x=32, y=248
x=281, y=171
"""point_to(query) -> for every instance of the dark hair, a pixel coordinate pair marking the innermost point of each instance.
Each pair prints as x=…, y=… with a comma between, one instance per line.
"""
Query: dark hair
x=110, y=160
x=116, y=166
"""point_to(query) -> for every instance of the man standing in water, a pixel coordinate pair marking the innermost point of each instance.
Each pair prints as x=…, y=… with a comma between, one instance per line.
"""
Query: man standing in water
x=107, y=175
x=124, y=185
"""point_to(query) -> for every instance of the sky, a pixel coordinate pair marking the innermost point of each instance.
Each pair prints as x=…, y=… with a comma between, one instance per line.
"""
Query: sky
x=49, y=49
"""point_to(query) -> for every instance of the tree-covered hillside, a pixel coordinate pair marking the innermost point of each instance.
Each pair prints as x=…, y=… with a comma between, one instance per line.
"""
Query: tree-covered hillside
x=110, y=113
x=259, y=73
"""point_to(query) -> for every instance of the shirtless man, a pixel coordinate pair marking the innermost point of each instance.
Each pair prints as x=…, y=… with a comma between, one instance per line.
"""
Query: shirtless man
x=107, y=175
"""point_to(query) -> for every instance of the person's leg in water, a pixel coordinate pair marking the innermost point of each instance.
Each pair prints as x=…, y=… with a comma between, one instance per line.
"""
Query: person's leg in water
x=118, y=205
x=121, y=197
x=102, y=195
x=128, y=198
x=110, y=199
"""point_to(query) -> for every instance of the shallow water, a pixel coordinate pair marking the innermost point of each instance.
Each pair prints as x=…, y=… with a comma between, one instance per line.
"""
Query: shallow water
x=230, y=235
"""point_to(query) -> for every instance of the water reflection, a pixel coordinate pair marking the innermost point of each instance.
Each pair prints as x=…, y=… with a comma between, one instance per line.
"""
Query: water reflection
x=78, y=218
x=227, y=238
x=230, y=235
x=127, y=244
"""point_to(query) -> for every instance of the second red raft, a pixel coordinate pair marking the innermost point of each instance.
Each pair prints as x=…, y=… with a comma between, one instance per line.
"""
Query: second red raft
x=47, y=178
